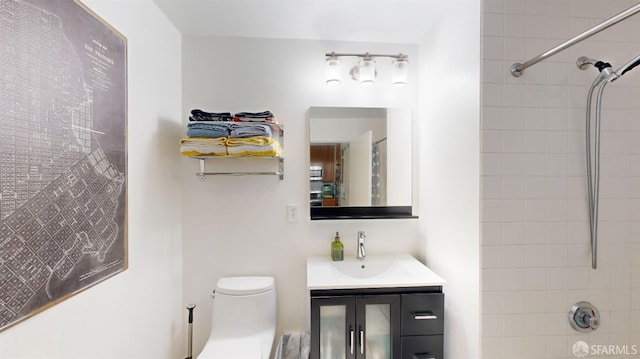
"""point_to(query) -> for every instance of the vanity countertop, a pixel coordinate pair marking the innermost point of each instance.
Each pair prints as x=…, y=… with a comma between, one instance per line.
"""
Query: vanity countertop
x=382, y=271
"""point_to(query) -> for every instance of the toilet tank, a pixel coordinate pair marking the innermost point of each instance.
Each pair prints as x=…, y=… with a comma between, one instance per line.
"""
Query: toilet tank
x=244, y=306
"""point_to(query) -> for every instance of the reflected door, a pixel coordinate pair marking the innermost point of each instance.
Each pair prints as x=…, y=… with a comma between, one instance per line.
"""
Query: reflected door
x=360, y=170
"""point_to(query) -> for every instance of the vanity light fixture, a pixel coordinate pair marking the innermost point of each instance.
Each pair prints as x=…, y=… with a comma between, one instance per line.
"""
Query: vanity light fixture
x=333, y=70
x=365, y=70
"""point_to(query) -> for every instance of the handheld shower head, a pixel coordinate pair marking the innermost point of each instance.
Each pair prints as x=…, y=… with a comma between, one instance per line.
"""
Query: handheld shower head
x=627, y=67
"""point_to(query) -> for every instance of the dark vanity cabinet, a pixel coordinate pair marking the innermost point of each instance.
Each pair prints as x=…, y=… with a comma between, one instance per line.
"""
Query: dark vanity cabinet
x=384, y=323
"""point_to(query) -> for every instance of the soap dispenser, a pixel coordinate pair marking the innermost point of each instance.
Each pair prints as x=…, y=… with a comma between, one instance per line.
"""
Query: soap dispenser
x=337, y=249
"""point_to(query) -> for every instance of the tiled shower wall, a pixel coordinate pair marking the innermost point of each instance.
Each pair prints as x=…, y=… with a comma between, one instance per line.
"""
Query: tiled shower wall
x=535, y=249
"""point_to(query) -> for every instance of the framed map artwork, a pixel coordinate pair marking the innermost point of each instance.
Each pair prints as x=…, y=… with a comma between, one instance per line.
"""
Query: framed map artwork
x=63, y=155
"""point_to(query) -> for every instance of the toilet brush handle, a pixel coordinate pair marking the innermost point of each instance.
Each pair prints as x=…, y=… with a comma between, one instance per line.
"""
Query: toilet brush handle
x=190, y=343
x=190, y=309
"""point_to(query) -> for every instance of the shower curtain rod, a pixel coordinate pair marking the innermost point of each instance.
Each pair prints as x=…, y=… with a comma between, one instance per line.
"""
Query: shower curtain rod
x=518, y=68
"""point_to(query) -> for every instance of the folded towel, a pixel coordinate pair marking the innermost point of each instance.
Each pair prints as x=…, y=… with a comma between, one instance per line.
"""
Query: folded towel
x=190, y=146
x=293, y=346
x=240, y=130
x=208, y=129
x=263, y=114
x=255, y=119
x=199, y=115
x=253, y=146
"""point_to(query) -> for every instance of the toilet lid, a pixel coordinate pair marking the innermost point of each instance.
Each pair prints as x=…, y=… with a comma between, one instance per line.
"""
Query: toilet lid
x=244, y=285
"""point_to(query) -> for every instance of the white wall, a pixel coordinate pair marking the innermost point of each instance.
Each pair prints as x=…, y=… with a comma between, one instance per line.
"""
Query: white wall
x=237, y=225
x=138, y=313
x=535, y=238
x=449, y=168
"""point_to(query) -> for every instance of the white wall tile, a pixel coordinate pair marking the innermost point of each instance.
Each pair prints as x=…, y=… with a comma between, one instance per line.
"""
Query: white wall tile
x=491, y=233
x=513, y=279
x=492, y=141
x=535, y=302
x=491, y=257
x=514, y=346
x=535, y=232
x=514, y=26
x=491, y=118
x=491, y=94
x=536, y=324
x=491, y=280
x=535, y=279
x=557, y=232
x=492, y=347
x=491, y=325
x=493, y=24
x=557, y=255
x=536, y=255
x=513, y=256
x=513, y=233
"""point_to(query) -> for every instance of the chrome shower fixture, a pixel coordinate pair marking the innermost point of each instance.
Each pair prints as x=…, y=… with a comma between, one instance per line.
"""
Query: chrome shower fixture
x=607, y=74
x=593, y=163
x=584, y=317
x=627, y=67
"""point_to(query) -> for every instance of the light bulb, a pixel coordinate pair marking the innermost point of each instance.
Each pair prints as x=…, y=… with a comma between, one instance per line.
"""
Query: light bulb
x=399, y=72
x=333, y=71
x=366, y=71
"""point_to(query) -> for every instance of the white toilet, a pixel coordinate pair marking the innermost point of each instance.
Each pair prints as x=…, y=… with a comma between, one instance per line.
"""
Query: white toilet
x=244, y=319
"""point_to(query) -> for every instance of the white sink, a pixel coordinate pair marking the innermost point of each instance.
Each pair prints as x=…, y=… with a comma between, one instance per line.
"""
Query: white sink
x=372, y=272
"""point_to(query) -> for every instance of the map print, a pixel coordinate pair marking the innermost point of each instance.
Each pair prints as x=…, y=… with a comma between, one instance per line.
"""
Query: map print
x=62, y=154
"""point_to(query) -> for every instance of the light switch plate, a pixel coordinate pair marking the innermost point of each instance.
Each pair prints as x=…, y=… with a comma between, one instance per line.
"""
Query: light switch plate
x=293, y=213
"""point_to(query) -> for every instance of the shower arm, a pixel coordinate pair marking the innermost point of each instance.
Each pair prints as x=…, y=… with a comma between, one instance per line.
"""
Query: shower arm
x=518, y=68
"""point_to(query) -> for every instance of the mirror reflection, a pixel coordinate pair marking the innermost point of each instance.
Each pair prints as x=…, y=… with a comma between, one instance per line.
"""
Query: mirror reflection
x=359, y=157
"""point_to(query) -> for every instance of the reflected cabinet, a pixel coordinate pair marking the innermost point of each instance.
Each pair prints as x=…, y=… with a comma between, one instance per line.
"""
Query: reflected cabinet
x=377, y=324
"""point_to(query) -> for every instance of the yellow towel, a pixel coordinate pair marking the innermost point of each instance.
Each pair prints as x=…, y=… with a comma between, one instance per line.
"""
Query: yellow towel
x=203, y=146
x=255, y=141
x=253, y=146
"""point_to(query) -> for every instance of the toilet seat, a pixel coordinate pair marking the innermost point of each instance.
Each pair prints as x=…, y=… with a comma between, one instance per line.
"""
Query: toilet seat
x=244, y=285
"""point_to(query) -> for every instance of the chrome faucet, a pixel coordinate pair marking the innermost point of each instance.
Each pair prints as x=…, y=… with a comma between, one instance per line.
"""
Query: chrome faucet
x=361, y=237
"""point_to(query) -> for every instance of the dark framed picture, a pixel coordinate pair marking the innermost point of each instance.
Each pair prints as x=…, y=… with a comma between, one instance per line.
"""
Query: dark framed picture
x=63, y=154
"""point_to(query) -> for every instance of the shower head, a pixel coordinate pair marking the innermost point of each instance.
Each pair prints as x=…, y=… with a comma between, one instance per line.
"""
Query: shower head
x=583, y=62
x=604, y=67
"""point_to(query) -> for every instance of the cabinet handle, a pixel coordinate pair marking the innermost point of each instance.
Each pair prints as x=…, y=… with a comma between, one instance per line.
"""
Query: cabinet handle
x=361, y=341
x=423, y=356
x=351, y=341
x=425, y=316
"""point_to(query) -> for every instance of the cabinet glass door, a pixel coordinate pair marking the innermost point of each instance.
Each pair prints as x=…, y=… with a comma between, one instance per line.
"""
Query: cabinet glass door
x=377, y=329
x=335, y=325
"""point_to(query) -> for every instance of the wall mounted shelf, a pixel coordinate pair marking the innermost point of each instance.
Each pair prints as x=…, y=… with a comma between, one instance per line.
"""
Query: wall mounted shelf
x=203, y=173
x=278, y=132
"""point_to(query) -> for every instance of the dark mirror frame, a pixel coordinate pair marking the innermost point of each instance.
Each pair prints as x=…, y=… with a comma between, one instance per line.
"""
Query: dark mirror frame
x=323, y=213
x=362, y=212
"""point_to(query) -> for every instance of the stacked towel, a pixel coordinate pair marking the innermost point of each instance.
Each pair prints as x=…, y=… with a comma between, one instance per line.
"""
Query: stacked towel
x=254, y=116
x=208, y=129
x=253, y=146
x=199, y=146
x=243, y=129
x=199, y=115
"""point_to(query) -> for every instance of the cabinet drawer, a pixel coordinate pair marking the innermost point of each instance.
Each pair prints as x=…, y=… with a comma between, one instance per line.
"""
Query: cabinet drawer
x=422, y=347
x=422, y=314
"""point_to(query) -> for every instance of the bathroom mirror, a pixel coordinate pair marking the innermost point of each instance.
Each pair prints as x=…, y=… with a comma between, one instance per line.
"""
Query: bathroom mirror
x=360, y=163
